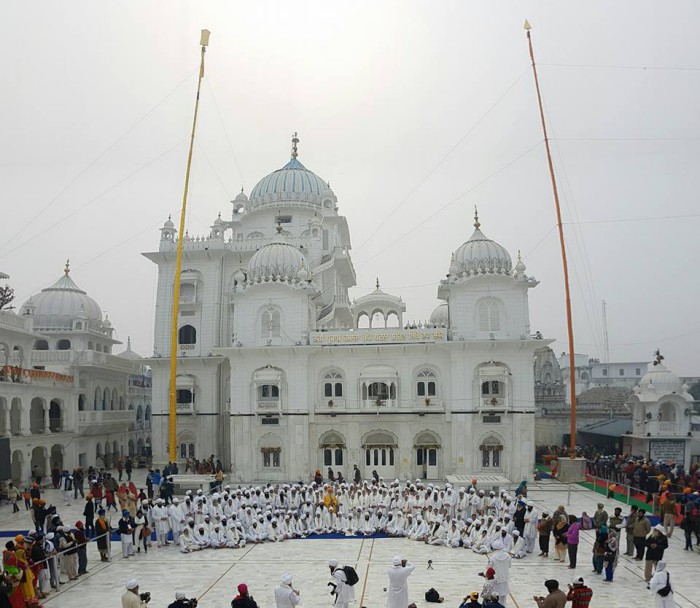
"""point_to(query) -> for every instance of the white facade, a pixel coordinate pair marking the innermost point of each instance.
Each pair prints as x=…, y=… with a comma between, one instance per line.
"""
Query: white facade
x=280, y=372
x=64, y=398
x=662, y=418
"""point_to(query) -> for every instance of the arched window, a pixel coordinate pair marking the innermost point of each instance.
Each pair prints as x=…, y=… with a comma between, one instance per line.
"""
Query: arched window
x=333, y=384
x=271, y=451
x=268, y=392
x=63, y=345
x=584, y=375
x=492, y=388
x=270, y=323
x=41, y=345
x=426, y=383
x=489, y=315
x=184, y=396
x=187, y=335
x=187, y=293
x=378, y=390
x=491, y=449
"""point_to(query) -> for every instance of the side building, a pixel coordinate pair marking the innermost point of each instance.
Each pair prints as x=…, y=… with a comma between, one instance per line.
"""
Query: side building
x=65, y=399
x=280, y=372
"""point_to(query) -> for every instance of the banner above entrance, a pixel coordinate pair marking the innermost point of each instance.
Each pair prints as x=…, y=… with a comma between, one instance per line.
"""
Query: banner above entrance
x=379, y=336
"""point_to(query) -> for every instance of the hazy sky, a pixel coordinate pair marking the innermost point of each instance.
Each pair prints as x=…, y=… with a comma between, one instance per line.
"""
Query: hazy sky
x=394, y=105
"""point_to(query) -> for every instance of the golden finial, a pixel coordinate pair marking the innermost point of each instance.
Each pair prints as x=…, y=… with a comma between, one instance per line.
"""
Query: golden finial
x=476, y=218
x=519, y=258
x=67, y=268
x=527, y=25
x=295, y=141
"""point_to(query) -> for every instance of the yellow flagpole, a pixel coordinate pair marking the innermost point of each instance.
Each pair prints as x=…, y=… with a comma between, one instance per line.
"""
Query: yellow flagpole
x=172, y=430
x=562, y=245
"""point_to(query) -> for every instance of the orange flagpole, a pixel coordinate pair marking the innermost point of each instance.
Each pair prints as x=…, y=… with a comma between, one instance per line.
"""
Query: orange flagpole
x=555, y=191
x=172, y=410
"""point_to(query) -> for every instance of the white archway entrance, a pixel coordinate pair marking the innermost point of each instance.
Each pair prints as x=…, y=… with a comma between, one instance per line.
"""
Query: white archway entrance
x=381, y=454
x=426, y=455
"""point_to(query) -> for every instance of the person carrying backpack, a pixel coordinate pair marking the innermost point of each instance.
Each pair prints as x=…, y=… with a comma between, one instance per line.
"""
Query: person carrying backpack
x=343, y=583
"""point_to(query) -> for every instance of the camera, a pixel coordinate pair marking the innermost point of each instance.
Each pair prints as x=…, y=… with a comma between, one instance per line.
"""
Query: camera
x=189, y=603
x=145, y=597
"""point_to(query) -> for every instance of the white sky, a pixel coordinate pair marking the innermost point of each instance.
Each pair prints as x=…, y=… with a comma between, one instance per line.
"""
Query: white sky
x=380, y=92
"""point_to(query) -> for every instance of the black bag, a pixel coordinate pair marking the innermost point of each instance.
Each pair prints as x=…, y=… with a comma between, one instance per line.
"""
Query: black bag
x=350, y=575
x=431, y=595
x=664, y=591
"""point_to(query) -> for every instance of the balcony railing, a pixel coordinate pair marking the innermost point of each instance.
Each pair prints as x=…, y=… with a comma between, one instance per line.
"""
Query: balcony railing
x=105, y=417
x=268, y=404
x=668, y=427
x=331, y=404
x=11, y=373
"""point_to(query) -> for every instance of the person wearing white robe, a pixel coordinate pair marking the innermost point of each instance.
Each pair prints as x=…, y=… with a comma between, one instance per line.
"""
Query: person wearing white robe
x=233, y=537
x=480, y=545
x=343, y=593
x=365, y=527
x=398, y=583
x=500, y=561
x=438, y=534
x=530, y=530
x=161, y=520
x=518, y=550
x=200, y=538
x=187, y=544
x=453, y=536
x=285, y=595
x=658, y=582
x=217, y=537
x=176, y=517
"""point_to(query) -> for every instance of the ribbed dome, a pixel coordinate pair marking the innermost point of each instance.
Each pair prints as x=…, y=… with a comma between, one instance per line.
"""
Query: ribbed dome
x=57, y=306
x=277, y=261
x=481, y=255
x=661, y=380
x=440, y=316
x=293, y=182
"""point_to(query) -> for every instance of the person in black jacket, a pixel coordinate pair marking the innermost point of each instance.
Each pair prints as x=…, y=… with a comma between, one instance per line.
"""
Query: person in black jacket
x=89, y=514
x=656, y=544
x=243, y=599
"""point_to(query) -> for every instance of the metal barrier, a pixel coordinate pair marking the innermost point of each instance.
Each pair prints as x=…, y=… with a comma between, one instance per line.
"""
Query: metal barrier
x=626, y=490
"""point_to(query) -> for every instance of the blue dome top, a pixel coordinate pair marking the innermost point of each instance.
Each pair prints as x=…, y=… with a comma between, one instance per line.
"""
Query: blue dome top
x=293, y=182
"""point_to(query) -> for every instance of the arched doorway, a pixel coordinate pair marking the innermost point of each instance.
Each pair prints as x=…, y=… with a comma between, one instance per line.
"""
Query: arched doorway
x=55, y=422
x=57, y=455
x=39, y=455
x=3, y=409
x=16, y=417
x=139, y=446
x=36, y=416
x=426, y=450
x=491, y=450
x=115, y=451
x=16, y=466
x=132, y=448
x=108, y=455
x=99, y=456
x=381, y=453
x=332, y=448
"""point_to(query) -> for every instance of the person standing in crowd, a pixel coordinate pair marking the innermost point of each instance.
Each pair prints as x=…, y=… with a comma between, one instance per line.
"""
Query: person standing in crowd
x=89, y=514
x=13, y=496
x=668, y=512
x=102, y=533
x=344, y=593
x=616, y=520
x=544, y=530
x=556, y=597
x=131, y=598
x=630, y=520
x=659, y=583
x=601, y=538
x=126, y=529
x=128, y=468
x=243, y=599
x=610, y=556
x=398, y=583
x=500, y=562
x=81, y=546
x=572, y=540
x=641, y=528
x=656, y=544
x=688, y=527
x=120, y=468
x=560, y=529
x=579, y=595
x=600, y=517
x=285, y=595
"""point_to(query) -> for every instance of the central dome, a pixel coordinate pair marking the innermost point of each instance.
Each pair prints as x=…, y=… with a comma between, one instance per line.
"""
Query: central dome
x=481, y=255
x=293, y=182
x=277, y=261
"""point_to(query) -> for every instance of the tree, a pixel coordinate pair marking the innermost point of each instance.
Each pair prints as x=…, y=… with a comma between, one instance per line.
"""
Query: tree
x=7, y=295
x=695, y=391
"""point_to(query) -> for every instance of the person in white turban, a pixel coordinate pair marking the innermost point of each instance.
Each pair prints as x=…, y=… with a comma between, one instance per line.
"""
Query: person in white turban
x=398, y=583
x=130, y=598
x=658, y=583
x=342, y=592
x=285, y=595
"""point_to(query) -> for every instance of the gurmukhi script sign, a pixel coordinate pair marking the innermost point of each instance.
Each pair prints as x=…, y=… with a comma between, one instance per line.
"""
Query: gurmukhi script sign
x=668, y=450
x=383, y=336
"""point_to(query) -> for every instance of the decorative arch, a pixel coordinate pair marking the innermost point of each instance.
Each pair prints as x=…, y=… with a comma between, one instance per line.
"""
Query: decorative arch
x=363, y=321
x=427, y=439
x=270, y=446
x=270, y=322
x=41, y=345
x=37, y=416
x=187, y=334
x=380, y=438
x=331, y=439
x=332, y=383
x=668, y=412
x=490, y=315
x=425, y=379
x=491, y=446
x=63, y=344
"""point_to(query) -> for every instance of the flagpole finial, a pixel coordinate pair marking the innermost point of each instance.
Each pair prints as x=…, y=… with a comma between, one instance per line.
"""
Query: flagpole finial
x=295, y=141
x=476, y=218
x=527, y=26
x=377, y=283
x=204, y=40
x=67, y=267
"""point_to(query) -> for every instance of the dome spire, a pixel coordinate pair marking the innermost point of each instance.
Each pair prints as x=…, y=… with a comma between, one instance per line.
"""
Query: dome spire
x=476, y=218
x=67, y=268
x=377, y=283
x=295, y=141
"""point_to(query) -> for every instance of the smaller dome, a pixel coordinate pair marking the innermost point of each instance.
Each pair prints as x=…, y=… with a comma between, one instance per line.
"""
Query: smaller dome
x=128, y=353
x=440, y=316
x=218, y=221
x=168, y=223
x=241, y=197
x=279, y=260
x=661, y=380
x=480, y=255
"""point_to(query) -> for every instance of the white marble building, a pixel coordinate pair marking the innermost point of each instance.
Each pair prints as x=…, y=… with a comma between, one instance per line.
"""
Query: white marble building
x=280, y=372
x=64, y=398
x=663, y=418
x=592, y=373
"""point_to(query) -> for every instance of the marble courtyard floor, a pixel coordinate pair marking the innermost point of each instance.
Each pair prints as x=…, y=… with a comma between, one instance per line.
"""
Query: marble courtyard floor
x=212, y=576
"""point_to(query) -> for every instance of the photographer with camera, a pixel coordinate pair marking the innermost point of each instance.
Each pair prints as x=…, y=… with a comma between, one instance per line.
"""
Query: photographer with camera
x=182, y=602
x=132, y=598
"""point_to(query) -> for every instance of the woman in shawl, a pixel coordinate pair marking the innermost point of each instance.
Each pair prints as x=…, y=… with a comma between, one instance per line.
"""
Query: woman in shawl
x=27, y=584
x=13, y=572
x=559, y=532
